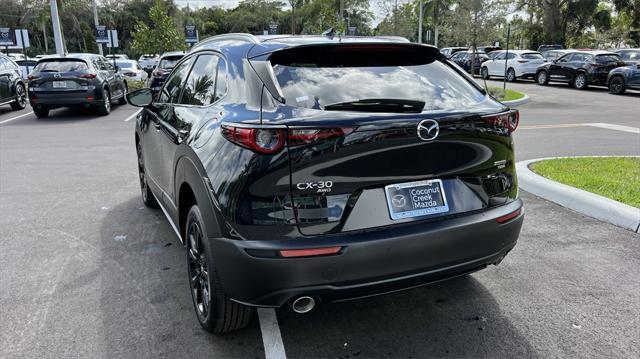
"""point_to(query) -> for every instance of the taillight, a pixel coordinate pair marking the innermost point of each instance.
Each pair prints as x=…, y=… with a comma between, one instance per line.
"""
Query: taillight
x=88, y=76
x=32, y=77
x=310, y=135
x=262, y=140
x=508, y=120
x=269, y=141
x=158, y=72
x=132, y=74
x=523, y=61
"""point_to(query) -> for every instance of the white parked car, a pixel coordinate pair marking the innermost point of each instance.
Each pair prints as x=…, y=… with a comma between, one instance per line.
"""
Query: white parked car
x=148, y=62
x=26, y=66
x=519, y=64
x=131, y=70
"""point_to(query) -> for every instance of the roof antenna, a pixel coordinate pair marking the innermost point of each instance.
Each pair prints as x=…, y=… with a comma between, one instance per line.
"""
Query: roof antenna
x=330, y=33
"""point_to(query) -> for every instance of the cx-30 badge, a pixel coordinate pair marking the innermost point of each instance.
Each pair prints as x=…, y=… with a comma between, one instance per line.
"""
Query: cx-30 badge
x=428, y=130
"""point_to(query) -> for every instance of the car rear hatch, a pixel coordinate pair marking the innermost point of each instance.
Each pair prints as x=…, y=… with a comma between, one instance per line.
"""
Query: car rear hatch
x=64, y=75
x=382, y=134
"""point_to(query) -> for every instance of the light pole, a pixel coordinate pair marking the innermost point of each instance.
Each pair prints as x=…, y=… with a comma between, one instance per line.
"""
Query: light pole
x=57, y=32
x=420, y=22
x=95, y=21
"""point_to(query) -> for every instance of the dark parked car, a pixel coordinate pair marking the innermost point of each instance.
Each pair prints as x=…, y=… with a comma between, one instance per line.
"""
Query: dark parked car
x=306, y=169
x=625, y=77
x=464, y=60
x=492, y=55
x=546, y=47
x=579, y=68
x=449, y=51
x=159, y=74
x=12, y=89
x=75, y=80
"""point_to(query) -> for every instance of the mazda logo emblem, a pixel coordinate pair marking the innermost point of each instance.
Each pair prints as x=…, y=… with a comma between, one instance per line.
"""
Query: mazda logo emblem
x=56, y=76
x=398, y=201
x=428, y=130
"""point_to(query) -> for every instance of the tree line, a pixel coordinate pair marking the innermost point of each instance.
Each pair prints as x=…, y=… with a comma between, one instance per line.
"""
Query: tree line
x=154, y=26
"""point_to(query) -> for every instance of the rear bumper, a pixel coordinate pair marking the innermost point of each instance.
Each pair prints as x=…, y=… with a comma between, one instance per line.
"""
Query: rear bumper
x=370, y=263
x=63, y=99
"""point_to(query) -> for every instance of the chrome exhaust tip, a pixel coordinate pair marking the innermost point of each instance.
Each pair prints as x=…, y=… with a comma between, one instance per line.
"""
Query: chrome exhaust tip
x=303, y=304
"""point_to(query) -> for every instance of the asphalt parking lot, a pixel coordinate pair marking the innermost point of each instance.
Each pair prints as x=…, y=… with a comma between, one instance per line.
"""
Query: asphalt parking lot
x=87, y=271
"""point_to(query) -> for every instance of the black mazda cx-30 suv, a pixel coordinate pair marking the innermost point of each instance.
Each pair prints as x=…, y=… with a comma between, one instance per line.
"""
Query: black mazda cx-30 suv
x=308, y=169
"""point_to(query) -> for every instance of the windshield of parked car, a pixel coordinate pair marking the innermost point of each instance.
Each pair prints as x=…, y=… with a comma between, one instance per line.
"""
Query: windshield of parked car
x=607, y=59
x=532, y=56
x=436, y=84
x=125, y=64
x=630, y=55
x=61, y=66
x=169, y=63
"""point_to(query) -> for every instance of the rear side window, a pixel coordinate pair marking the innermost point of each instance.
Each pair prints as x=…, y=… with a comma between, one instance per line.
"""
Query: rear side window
x=200, y=88
x=61, y=66
x=630, y=55
x=358, y=75
x=608, y=59
x=532, y=56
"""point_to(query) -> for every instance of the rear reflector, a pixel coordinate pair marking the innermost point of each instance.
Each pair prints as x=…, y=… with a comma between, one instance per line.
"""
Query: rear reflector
x=311, y=135
x=291, y=253
x=506, y=218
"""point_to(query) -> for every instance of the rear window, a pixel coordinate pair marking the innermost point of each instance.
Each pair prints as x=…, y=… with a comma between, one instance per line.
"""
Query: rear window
x=61, y=66
x=359, y=75
x=168, y=63
x=607, y=59
x=532, y=56
x=125, y=65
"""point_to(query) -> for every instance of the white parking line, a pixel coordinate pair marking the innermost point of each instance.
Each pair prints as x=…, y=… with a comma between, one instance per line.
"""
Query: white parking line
x=17, y=117
x=271, y=337
x=611, y=126
x=132, y=116
x=608, y=126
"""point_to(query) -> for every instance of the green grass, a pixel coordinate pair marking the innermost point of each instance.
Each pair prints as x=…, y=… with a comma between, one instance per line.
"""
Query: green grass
x=508, y=95
x=134, y=85
x=617, y=178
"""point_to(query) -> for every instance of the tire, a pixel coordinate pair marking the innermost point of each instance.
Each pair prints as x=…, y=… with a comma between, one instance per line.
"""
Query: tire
x=617, y=86
x=215, y=312
x=105, y=108
x=484, y=72
x=123, y=100
x=580, y=81
x=21, y=98
x=511, y=75
x=542, y=78
x=147, y=196
x=41, y=112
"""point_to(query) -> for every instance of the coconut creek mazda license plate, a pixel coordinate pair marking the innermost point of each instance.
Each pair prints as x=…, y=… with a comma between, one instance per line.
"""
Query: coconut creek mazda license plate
x=416, y=199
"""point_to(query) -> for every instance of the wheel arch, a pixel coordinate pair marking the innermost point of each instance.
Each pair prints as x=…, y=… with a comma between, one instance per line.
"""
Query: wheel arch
x=624, y=80
x=190, y=189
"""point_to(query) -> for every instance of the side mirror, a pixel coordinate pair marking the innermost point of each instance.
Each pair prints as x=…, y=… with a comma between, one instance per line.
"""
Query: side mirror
x=140, y=98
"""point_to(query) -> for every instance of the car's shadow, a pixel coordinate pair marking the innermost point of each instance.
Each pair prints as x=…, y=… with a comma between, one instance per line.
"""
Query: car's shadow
x=144, y=293
x=456, y=318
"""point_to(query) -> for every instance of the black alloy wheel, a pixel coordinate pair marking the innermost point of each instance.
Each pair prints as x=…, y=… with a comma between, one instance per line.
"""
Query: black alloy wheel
x=616, y=85
x=511, y=75
x=21, y=98
x=580, y=81
x=147, y=196
x=214, y=310
x=542, y=78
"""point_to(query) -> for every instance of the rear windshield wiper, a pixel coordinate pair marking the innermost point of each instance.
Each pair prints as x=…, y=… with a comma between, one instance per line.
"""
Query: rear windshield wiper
x=378, y=105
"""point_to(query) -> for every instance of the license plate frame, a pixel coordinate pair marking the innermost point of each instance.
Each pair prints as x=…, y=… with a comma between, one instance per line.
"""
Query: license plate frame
x=428, y=190
x=59, y=84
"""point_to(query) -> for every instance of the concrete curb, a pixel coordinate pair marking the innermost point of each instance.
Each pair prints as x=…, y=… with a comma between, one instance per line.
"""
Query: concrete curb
x=581, y=201
x=518, y=102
